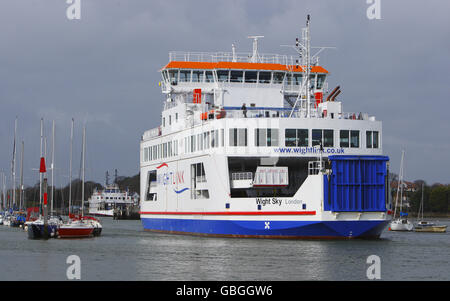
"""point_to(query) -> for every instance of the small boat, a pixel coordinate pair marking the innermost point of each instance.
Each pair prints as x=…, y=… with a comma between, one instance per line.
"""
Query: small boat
x=36, y=229
x=76, y=229
x=401, y=223
x=80, y=226
x=424, y=226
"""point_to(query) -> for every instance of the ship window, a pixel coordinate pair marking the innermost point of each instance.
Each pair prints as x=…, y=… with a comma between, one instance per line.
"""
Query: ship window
x=164, y=121
x=251, y=76
x=199, y=142
x=288, y=79
x=236, y=76
x=375, y=139
x=222, y=75
x=369, y=139
x=176, y=117
x=238, y=137
x=198, y=176
x=297, y=79
x=145, y=154
x=264, y=77
x=316, y=137
x=320, y=81
x=344, y=138
x=296, y=137
x=372, y=139
x=209, y=77
x=197, y=76
x=266, y=137
x=151, y=180
x=354, y=139
x=312, y=81
x=170, y=119
x=278, y=77
x=173, y=76
x=222, y=137
x=185, y=75
x=328, y=138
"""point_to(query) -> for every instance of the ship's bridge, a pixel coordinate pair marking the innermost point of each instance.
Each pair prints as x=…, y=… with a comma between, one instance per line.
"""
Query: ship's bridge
x=227, y=79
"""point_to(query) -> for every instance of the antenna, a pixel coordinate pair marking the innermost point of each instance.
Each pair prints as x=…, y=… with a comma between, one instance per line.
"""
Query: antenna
x=233, y=49
x=255, y=55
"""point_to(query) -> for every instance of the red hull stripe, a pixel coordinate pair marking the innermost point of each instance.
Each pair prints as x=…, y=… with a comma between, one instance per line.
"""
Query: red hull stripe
x=232, y=213
x=73, y=232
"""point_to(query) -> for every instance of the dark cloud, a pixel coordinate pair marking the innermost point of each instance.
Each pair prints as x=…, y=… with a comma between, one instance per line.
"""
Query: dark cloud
x=103, y=70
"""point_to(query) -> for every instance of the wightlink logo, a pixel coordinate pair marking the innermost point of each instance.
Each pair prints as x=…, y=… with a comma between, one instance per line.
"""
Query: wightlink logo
x=166, y=177
x=308, y=150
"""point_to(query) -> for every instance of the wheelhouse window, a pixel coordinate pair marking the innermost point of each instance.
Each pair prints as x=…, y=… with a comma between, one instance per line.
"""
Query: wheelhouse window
x=251, y=76
x=222, y=75
x=264, y=77
x=173, y=76
x=278, y=77
x=209, y=78
x=296, y=137
x=185, y=75
x=297, y=79
x=197, y=76
x=236, y=76
x=320, y=80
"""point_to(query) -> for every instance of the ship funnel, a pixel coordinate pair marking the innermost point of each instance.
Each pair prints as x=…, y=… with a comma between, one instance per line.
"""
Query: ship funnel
x=335, y=95
x=332, y=93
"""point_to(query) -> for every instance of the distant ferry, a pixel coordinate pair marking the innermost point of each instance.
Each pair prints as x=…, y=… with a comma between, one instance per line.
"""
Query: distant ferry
x=249, y=146
x=103, y=202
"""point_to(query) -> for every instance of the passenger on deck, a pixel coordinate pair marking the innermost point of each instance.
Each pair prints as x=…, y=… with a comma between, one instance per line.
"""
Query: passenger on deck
x=244, y=110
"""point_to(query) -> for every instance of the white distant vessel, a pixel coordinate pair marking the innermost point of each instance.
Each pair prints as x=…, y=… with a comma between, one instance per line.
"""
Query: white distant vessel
x=401, y=223
x=103, y=202
x=249, y=146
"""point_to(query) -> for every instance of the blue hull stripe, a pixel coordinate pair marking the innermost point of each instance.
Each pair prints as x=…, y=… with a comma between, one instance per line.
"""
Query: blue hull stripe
x=326, y=229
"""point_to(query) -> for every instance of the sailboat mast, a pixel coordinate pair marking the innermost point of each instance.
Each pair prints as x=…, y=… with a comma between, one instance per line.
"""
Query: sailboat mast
x=21, y=195
x=83, y=170
x=421, y=203
x=70, y=166
x=40, y=174
x=53, y=166
x=14, y=165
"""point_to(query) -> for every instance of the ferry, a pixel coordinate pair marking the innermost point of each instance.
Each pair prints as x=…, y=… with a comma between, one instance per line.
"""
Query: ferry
x=103, y=202
x=256, y=145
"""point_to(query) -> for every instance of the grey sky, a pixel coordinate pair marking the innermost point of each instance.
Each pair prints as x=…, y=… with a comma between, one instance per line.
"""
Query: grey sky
x=103, y=70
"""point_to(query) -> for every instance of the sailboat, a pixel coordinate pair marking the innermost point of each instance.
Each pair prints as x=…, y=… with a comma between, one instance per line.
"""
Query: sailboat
x=401, y=223
x=36, y=229
x=425, y=226
x=77, y=226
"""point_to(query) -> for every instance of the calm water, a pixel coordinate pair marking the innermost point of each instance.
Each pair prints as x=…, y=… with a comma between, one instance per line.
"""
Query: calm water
x=126, y=252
